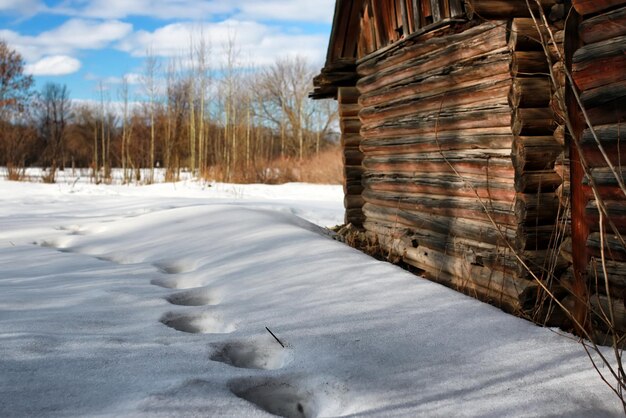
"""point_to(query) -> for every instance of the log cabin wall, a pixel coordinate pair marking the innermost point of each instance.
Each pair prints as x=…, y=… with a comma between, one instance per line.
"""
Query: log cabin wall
x=440, y=186
x=350, y=125
x=599, y=72
x=466, y=163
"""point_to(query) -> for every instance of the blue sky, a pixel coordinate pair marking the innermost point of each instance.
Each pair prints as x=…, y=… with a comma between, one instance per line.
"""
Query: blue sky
x=88, y=43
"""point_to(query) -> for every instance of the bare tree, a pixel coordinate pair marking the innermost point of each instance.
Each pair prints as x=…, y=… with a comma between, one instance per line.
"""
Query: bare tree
x=151, y=66
x=54, y=108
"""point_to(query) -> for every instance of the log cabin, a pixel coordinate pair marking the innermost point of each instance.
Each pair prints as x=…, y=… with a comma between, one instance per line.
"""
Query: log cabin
x=482, y=141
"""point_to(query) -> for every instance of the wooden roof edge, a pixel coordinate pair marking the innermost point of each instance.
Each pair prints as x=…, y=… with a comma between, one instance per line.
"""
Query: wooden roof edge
x=339, y=69
x=340, y=73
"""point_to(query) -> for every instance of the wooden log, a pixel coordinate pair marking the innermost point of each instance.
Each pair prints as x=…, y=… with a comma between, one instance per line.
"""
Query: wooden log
x=529, y=63
x=604, y=94
x=350, y=125
x=350, y=140
x=537, y=209
x=442, y=184
x=464, y=169
x=484, y=94
x=353, y=202
x=530, y=92
x=585, y=7
x=557, y=106
x=466, y=276
x=614, y=249
x=533, y=121
x=602, y=312
x=469, y=208
x=608, y=134
x=503, y=9
x=440, y=141
x=611, y=138
x=605, y=26
x=444, y=120
x=616, y=271
x=347, y=95
x=557, y=15
x=558, y=69
x=459, y=75
x=486, y=42
x=559, y=135
x=592, y=52
x=495, y=257
x=616, y=214
x=611, y=112
x=524, y=35
x=420, y=47
x=531, y=238
x=352, y=156
x=354, y=217
x=354, y=172
x=353, y=187
x=537, y=181
x=460, y=227
x=601, y=71
x=490, y=163
x=349, y=110
x=535, y=153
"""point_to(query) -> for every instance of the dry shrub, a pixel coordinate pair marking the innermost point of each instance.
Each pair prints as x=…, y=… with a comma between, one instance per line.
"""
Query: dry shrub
x=16, y=173
x=325, y=168
x=49, y=176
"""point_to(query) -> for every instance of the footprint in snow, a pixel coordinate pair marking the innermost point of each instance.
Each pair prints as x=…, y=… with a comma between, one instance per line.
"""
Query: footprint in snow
x=175, y=267
x=197, y=322
x=195, y=297
x=252, y=355
x=173, y=282
x=290, y=398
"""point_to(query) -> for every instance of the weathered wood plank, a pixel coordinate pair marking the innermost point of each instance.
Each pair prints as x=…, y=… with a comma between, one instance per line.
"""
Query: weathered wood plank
x=603, y=27
x=524, y=35
x=494, y=68
x=482, y=94
x=533, y=121
x=444, y=120
x=444, y=184
x=444, y=141
x=604, y=94
x=603, y=71
x=503, y=9
x=585, y=7
x=440, y=52
x=530, y=92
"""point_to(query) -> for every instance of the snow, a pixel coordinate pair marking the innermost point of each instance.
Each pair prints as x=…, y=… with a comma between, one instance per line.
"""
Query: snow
x=154, y=301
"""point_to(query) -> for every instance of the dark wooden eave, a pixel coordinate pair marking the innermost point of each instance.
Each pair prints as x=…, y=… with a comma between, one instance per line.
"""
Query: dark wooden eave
x=340, y=67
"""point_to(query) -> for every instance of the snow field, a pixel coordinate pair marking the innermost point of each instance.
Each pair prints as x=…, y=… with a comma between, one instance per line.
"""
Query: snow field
x=153, y=301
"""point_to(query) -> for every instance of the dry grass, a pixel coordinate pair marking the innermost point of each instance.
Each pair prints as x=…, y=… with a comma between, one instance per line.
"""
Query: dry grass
x=16, y=173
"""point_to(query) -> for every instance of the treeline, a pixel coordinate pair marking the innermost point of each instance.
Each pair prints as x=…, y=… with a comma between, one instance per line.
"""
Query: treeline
x=229, y=124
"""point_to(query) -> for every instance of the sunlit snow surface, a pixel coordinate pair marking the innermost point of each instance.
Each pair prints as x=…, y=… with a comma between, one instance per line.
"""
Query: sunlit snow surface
x=153, y=301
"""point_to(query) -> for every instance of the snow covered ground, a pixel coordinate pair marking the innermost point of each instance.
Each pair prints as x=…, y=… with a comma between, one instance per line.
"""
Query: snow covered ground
x=154, y=301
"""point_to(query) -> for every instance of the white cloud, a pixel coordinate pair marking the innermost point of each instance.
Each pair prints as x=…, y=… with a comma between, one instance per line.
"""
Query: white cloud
x=43, y=50
x=256, y=43
x=160, y=9
x=84, y=34
x=54, y=65
x=288, y=10
x=274, y=10
x=23, y=7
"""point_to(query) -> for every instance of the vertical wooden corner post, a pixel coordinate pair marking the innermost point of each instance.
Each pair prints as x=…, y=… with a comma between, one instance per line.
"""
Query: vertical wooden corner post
x=580, y=229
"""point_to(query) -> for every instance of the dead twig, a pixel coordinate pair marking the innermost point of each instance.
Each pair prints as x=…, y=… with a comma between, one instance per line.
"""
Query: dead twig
x=275, y=337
